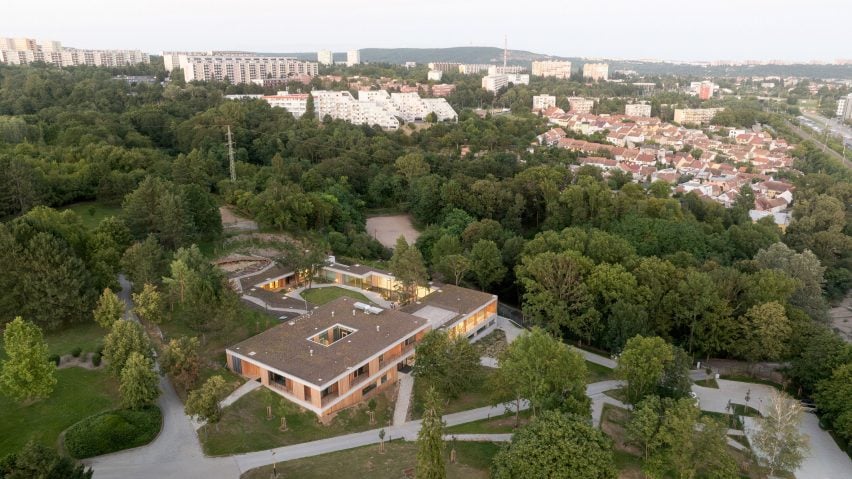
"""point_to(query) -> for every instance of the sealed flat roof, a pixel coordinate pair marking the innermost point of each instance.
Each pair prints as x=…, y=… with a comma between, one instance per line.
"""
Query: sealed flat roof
x=446, y=299
x=288, y=347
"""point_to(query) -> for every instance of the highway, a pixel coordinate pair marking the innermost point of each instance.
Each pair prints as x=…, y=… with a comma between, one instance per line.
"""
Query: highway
x=818, y=124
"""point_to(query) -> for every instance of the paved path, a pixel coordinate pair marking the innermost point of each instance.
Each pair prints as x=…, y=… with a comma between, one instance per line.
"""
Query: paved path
x=478, y=437
x=403, y=399
x=241, y=391
x=825, y=461
x=264, y=304
x=595, y=358
x=175, y=452
x=595, y=391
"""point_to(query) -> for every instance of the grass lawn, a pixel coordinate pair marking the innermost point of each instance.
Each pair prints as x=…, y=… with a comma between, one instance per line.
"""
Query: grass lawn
x=88, y=336
x=599, y=373
x=79, y=393
x=707, y=383
x=473, y=461
x=620, y=394
x=244, y=427
x=320, y=296
x=92, y=212
x=478, y=396
x=496, y=425
x=245, y=323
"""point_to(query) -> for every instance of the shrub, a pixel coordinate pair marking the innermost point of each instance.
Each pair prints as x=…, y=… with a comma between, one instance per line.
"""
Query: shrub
x=113, y=431
x=96, y=359
x=100, y=349
x=54, y=358
x=76, y=352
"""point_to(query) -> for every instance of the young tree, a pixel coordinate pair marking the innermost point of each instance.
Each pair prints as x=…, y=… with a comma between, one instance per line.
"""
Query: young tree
x=556, y=445
x=430, y=441
x=139, y=382
x=454, y=266
x=148, y=304
x=449, y=365
x=687, y=443
x=642, y=364
x=26, y=373
x=203, y=403
x=645, y=423
x=125, y=337
x=777, y=441
x=407, y=266
x=180, y=360
x=35, y=460
x=486, y=263
x=109, y=309
x=541, y=369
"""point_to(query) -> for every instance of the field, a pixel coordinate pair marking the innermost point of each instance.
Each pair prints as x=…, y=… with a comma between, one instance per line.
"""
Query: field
x=387, y=229
x=244, y=426
x=320, y=296
x=92, y=212
x=473, y=462
x=79, y=393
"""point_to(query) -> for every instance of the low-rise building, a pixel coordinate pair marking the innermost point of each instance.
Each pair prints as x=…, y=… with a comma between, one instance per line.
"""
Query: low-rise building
x=295, y=103
x=434, y=75
x=695, y=115
x=580, y=105
x=637, y=109
x=542, y=102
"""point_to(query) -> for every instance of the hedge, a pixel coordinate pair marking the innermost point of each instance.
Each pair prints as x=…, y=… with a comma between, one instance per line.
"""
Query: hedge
x=112, y=431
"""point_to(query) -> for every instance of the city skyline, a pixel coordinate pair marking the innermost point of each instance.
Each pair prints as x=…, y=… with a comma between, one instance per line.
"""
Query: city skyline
x=757, y=30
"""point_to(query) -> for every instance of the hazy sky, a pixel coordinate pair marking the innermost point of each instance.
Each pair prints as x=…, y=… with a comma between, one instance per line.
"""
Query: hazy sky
x=664, y=29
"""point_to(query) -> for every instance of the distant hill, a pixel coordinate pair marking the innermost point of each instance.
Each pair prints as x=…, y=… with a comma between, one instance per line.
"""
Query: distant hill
x=495, y=55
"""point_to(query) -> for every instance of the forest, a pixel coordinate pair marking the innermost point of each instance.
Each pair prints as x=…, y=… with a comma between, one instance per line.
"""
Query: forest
x=591, y=259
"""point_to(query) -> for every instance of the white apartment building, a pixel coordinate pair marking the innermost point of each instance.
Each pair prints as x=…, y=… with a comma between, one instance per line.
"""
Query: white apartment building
x=22, y=51
x=353, y=57
x=441, y=108
x=507, y=70
x=695, y=115
x=171, y=60
x=473, y=68
x=325, y=57
x=341, y=105
x=435, y=75
x=242, y=68
x=596, y=71
x=552, y=68
x=579, y=104
x=844, y=107
x=495, y=83
x=409, y=106
x=638, y=109
x=542, y=102
x=295, y=103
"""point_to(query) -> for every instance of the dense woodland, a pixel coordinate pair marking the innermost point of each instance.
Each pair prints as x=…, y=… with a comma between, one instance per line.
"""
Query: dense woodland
x=589, y=259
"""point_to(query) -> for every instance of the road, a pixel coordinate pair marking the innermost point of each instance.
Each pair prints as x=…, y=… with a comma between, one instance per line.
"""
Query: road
x=818, y=139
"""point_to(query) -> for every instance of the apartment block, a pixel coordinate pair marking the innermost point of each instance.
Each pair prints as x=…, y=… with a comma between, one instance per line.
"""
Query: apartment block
x=638, y=109
x=596, y=71
x=434, y=75
x=444, y=66
x=325, y=57
x=295, y=103
x=695, y=115
x=473, y=68
x=495, y=83
x=552, y=68
x=22, y=51
x=241, y=68
x=353, y=57
x=580, y=105
x=541, y=102
x=443, y=89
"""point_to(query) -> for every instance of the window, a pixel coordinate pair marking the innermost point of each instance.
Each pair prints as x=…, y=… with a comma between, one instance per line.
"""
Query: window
x=237, y=364
x=381, y=358
x=384, y=379
x=409, y=340
x=365, y=369
x=367, y=389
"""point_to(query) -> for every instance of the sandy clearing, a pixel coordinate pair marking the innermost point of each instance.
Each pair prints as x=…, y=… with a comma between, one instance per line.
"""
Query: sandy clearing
x=386, y=229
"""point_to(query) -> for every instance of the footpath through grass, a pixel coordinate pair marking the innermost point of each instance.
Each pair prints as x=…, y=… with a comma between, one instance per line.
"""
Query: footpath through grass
x=320, y=296
x=79, y=393
x=503, y=424
x=245, y=428
x=473, y=462
x=477, y=396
